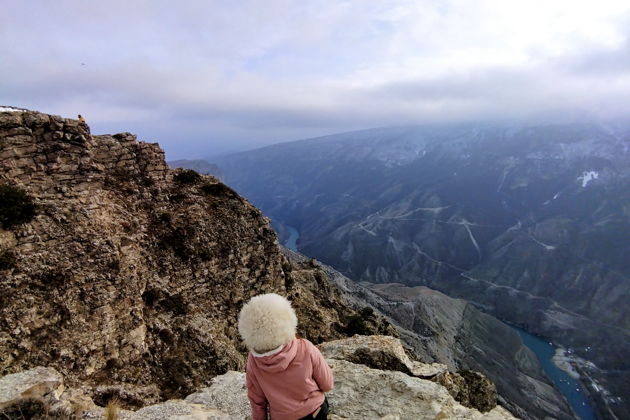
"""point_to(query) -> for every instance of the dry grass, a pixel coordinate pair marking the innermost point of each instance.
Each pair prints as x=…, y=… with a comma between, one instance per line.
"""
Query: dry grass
x=112, y=409
x=35, y=409
x=25, y=409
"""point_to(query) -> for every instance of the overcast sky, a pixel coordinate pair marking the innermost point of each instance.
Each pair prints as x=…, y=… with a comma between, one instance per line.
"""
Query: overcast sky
x=203, y=77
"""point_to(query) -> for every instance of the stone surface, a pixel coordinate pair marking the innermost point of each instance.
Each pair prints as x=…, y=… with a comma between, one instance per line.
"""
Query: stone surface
x=471, y=389
x=361, y=392
x=40, y=383
x=227, y=393
x=179, y=410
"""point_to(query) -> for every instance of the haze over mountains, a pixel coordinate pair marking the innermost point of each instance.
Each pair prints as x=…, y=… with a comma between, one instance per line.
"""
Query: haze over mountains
x=530, y=223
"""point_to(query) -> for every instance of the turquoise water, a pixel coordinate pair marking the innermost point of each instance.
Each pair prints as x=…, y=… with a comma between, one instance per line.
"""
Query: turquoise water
x=570, y=388
x=291, y=243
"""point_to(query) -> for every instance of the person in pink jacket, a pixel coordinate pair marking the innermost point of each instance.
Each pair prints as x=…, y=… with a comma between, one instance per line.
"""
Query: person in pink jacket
x=286, y=376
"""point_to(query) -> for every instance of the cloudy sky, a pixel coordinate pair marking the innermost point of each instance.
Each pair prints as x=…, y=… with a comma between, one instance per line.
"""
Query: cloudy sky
x=203, y=77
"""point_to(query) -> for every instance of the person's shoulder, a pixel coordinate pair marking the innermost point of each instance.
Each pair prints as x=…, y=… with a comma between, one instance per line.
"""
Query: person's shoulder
x=308, y=347
x=305, y=342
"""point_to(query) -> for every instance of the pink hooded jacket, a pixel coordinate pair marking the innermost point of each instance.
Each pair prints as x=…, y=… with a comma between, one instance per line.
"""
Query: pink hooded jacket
x=291, y=382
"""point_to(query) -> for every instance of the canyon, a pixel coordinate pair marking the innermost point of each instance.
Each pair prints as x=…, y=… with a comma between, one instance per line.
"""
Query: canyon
x=526, y=222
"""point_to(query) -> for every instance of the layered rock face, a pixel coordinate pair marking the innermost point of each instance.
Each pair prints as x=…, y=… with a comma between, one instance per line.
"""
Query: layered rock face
x=360, y=392
x=129, y=279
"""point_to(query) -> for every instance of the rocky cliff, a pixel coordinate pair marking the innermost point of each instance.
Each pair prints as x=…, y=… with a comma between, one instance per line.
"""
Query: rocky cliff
x=127, y=277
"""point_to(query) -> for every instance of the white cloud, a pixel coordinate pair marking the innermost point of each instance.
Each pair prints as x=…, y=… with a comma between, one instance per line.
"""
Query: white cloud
x=277, y=69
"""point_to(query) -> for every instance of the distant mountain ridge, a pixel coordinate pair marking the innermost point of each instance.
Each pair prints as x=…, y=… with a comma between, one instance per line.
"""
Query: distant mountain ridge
x=528, y=222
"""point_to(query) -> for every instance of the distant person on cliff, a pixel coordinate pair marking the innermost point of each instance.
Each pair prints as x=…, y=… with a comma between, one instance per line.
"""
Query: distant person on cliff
x=83, y=123
x=286, y=376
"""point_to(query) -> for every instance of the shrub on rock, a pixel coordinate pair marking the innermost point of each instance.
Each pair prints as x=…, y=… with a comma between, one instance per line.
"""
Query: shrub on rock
x=16, y=206
x=7, y=259
x=187, y=176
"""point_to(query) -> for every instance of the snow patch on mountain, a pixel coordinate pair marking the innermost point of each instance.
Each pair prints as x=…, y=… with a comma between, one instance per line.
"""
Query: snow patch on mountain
x=7, y=109
x=587, y=177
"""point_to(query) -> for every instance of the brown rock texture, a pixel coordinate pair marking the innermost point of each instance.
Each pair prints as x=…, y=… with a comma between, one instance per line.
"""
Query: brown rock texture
x=130, y=277
x=471, y=389
x=380, y=352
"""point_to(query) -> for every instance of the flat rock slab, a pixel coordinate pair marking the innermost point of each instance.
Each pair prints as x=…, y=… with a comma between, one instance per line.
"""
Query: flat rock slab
x=359, y=393
x=364, y=393
x=227, y=393
x=179, y=410
x=39, y=383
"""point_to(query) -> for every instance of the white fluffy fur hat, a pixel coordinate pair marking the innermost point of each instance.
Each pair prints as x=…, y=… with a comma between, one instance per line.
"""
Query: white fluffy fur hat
x=267, y=322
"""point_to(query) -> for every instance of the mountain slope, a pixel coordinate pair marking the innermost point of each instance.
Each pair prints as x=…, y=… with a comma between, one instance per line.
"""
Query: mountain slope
x=445, y=330
x=528, y=222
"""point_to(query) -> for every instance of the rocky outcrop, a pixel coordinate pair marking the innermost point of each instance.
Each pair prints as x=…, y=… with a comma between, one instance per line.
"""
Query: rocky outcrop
x=39, y=383
x=363, y=393
x=360, y=392
x=130, y=272
x=129, y=278
x=380, y=352
x=201, y=166
x=471, y=389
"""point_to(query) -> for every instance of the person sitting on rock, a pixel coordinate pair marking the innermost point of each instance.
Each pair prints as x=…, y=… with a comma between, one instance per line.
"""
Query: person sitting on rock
x=286, y=376
x=81, y=119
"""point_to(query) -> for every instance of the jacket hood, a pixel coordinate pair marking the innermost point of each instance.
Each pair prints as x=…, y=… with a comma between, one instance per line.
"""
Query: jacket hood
x=277, y=362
